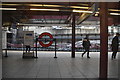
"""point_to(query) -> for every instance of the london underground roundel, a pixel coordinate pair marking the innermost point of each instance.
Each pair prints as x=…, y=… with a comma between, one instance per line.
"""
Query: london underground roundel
x=42, y=42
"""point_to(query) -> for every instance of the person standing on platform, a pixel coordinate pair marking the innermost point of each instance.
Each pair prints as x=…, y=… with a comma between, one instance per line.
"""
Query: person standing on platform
x=86, y=45
x=115, y=45
x=28, y=48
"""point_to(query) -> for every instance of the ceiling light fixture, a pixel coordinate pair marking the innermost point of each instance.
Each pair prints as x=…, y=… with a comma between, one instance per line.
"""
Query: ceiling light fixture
x=97, y=12
x=111, y=9
x=79, y=7
x=114, y=10
x=81, y=11
x=10, y=4
x=7, y=8
x=52, y=5
x=117, y=14
x=111, y=13
x=49, y=5
x=34, y=4
x=45, y=9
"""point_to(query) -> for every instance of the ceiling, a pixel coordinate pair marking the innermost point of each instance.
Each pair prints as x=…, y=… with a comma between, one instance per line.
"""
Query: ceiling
x=51, y=12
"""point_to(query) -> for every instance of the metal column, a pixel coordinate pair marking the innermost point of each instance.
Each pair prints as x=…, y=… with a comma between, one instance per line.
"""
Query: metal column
x=119, y=52
x=1, y=43
x=103, y=40
x=36, y=47
x=55, y=48
x=73, y=36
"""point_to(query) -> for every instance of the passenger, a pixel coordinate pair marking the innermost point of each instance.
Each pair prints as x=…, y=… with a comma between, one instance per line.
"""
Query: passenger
x=28, y=48
x=86, y=45
x=115, y=45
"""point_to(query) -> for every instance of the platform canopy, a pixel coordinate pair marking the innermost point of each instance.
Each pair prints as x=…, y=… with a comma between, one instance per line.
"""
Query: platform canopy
x=55, y=12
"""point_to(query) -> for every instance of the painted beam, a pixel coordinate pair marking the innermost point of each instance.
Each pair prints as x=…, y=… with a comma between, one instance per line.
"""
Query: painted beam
x=103, y=40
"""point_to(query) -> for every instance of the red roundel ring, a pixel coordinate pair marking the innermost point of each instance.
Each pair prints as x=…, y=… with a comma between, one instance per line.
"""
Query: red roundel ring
x=44, y=34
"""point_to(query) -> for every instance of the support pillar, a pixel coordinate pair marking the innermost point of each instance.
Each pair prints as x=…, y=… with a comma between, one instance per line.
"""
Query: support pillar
x=118, y=52
x=1, y=42
x=103, y=40
x=73, y=36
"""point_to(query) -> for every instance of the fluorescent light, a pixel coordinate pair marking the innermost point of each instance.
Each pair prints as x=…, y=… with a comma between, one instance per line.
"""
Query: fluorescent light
x=114, y=10
x=81, y=11
x=97, y=12
x=111, y=13
x=49, y=5
x=65, y=6
x=111, y=9
x=10, y=4
x=45, y=5
x=117, y=14
x=45, y=9
x=7, y=8
x=52, y=5
x=35, y=4
x=79, y=7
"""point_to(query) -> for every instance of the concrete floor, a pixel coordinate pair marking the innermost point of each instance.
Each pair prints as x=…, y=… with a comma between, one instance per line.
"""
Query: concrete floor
x=14, y=66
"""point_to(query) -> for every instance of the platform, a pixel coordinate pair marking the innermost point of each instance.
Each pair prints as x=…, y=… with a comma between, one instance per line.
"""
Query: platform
x=45, y=66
